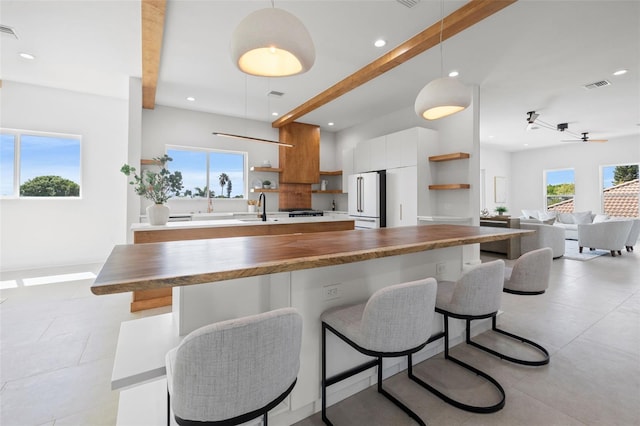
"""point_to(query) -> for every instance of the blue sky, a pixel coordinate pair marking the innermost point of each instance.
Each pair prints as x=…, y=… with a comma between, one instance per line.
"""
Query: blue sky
x=555, y=177
x=39, y=156
x=192, y=165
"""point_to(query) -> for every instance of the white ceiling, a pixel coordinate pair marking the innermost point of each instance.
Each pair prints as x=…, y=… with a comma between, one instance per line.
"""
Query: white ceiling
x=532, y=55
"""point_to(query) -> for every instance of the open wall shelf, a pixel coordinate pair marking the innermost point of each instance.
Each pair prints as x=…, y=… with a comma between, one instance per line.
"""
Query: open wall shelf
x=266, y=169
x=449, y=157
x=450, y=186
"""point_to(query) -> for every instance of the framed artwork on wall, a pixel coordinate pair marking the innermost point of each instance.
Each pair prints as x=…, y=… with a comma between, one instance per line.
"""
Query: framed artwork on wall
x=500, y=189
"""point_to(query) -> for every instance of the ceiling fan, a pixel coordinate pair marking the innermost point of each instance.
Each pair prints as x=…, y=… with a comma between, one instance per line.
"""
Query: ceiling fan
x=533, y=122
x=584, y=138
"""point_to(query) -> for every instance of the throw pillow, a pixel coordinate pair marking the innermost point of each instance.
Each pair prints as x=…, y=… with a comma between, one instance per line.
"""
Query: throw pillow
x=582, y=218
x=549, y=221
x=547, y=215
x=530, y=214
x=565, y=218
x=600, y=218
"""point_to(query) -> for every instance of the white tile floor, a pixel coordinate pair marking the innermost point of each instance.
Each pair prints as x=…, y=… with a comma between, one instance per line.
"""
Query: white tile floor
x=58, y=342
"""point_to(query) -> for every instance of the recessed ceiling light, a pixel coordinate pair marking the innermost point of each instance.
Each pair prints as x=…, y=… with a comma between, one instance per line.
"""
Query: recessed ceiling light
x=330, y=124
x=275, y=114
x=454, y=74
x=379, y=43
x=526, y=144
x=26, y=55
x=191, y=99
x=620, y=72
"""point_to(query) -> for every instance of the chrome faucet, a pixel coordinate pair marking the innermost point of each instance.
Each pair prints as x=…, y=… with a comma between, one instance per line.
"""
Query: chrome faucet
x=262, y=200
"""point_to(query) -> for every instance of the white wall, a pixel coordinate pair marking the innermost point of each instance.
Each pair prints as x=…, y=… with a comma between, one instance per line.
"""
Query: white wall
x=55, y=232
x=495, y=163
x=164, y=126
x=527, y=179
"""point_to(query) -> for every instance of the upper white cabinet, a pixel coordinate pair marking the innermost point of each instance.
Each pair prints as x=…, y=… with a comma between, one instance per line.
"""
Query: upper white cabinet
x=402, y=148
x=370, y=155
x=399, y=149
x=378, y=153
x=347, y=167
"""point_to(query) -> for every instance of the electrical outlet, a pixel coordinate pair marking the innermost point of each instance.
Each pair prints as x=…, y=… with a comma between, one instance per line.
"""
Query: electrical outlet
x=440, y=268
x=332, y=292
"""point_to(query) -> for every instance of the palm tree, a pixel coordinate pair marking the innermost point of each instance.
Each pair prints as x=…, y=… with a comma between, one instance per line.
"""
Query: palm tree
x=223, y=179
x=229, y=186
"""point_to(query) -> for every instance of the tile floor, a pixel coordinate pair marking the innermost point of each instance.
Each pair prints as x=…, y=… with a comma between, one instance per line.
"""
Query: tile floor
x=58, y=342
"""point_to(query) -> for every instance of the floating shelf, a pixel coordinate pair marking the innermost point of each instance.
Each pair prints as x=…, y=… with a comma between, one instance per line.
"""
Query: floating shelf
x=331, y=173
x=266, y=169
x=328, y=191
x=262, y=190
x=451, y=186
x=150, y=163
x=449, y=157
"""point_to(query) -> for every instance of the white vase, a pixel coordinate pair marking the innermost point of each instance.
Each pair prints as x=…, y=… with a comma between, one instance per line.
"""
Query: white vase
x=158, y=214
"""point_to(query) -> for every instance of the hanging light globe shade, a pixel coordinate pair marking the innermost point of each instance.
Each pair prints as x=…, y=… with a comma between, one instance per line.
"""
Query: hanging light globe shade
x=442, y=97
x=272, y=43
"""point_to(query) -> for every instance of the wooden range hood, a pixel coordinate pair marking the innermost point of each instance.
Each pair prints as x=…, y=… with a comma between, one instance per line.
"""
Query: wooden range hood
x=300, y=165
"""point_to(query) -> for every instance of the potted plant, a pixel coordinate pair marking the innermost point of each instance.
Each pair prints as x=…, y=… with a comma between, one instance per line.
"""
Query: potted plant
x=501, y=210
x=266, y=184
x=157, y=187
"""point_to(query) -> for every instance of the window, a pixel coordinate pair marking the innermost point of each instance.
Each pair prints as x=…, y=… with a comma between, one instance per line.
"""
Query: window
x=222, y=174
x=7, y=164
x=620, y=190
x=560, y=190
x=38, y=164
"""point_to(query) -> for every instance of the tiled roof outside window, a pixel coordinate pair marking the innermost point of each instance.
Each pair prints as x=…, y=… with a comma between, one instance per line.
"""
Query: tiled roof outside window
x=619, y=201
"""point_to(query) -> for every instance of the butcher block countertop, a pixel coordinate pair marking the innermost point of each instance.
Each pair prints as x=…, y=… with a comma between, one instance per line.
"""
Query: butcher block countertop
x=178, y=263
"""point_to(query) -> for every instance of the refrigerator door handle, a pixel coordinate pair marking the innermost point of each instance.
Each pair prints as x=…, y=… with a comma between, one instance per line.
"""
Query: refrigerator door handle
x=360, y=178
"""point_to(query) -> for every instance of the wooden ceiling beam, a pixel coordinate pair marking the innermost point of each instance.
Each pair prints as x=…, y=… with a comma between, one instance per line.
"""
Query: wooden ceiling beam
x=153, y=15
x=461, y=19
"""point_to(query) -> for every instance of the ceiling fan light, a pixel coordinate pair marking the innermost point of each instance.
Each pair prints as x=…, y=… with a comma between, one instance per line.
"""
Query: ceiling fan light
x=272, y=43
x=442, y=97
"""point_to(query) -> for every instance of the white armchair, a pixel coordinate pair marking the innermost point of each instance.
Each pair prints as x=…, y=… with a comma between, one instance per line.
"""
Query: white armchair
x=545, y=236
x=610, y=235
x=632, y=239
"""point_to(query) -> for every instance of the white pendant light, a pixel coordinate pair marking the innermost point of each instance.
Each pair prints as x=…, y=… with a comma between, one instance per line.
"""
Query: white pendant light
x=443, y=96
x=272, y=43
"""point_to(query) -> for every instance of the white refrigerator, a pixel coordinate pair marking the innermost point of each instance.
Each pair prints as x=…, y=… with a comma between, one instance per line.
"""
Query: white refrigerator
x=367, y=200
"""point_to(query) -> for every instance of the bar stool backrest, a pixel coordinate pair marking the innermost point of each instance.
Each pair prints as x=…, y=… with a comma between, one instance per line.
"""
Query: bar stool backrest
x=479, y=291
x=233, y=367
x=399, y=317
x=531, y=272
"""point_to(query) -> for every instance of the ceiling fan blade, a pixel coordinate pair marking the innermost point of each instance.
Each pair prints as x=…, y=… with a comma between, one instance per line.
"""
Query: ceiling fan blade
x=597, y=140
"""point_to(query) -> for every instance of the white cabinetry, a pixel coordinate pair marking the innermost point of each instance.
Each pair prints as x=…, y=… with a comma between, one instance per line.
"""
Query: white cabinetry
x=402, y=196
x=347, y=167
x=370, y=155
x=378, y=153
x=402, y=148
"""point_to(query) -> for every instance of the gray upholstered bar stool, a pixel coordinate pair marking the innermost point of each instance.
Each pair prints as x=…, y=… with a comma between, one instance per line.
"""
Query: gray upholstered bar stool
x=234, y=371
x=476, y=295
x=529, y=276
x=395, y=321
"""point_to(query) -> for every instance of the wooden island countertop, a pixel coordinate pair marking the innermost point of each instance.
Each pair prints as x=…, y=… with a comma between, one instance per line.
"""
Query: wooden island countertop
x=179, y=263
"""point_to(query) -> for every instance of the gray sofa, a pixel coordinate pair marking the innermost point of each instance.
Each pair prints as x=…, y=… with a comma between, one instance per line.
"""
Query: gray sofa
x=545, y=236
x=567, y=221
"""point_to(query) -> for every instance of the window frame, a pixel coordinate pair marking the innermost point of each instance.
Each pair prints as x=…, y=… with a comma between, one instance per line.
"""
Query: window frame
x=245, y=168
x=546, y=183
x=602, y=187
x=17, y=162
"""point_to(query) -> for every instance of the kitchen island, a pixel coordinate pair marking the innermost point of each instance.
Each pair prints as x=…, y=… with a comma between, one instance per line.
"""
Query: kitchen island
x=248, y=225
x=247, y=275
